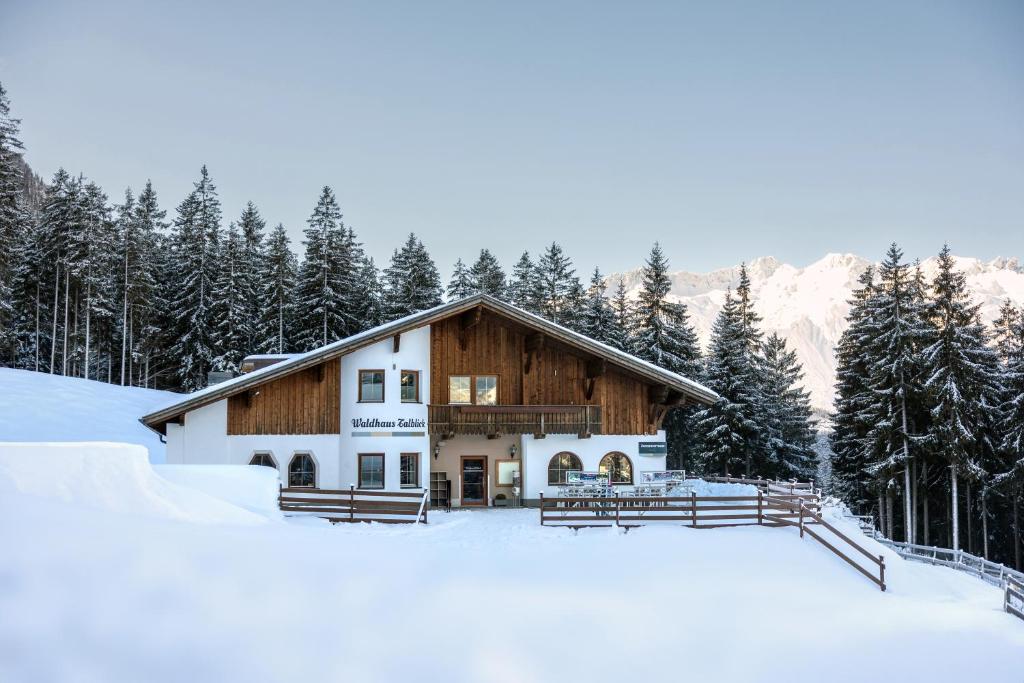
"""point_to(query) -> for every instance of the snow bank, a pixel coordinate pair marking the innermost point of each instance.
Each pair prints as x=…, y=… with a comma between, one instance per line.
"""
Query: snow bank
x=36, y=406
x=249, y=487
x=116, y=477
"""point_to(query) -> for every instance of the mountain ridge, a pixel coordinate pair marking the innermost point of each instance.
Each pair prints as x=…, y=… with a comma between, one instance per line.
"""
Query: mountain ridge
x=808, y=305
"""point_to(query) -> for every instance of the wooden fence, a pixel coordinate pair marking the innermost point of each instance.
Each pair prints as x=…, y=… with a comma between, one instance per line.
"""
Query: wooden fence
x=1013, y=601
x=356, y=505
x=704, y=512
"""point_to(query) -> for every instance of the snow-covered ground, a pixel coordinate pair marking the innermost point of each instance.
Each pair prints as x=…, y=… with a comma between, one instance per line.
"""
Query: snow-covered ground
x=92, y=591
x=36, y=406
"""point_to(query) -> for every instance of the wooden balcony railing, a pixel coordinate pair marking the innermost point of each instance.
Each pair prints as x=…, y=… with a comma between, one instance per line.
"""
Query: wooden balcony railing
x=491, y=420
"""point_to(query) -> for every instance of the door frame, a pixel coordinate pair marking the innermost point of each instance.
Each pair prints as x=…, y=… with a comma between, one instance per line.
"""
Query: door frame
x=462, y=481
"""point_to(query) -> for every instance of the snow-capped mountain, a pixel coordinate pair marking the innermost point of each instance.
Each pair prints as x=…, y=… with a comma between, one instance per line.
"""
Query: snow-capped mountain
x=808, y=306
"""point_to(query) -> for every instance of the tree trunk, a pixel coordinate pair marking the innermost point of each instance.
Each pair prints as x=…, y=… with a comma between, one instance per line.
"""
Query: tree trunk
x=56, y=308
x=88, y=320
x=124, y=317
x=882, y=528
x=890, y=507
x=37, y=325
x=908, y=509
x=984, y=524
x=914, y=503
x=64, y=353
x=954, y=511
x=1016, y=530
x=969, y=513
x=925, y=532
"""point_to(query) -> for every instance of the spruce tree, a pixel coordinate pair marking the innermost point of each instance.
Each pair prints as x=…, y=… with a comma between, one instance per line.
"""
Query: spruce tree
x=370, y=308
x=13, y=226
x=461, y=284
x=556, y=283
x=598, y=318
x=620, y=335
x=411, y=282
x=278, y=273
x=251, y=226
x=523, y=286
x=788, y=426
x=195, y=241
x=487, y=276
x=231, y=303
x=662, y=331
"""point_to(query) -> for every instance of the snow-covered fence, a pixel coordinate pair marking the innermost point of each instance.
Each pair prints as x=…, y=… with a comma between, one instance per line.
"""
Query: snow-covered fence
x=992, y=572
x=691, y=510
x=772, y=486
x=1013, y=601
x=354, y=505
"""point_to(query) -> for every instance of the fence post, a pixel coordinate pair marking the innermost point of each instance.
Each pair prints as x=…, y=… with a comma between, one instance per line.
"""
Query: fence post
x=800, y=501
x=541, y=507
x=617, y=507
x=881, y=571
x=693, y=507
x=760, y=514
x=351, y=502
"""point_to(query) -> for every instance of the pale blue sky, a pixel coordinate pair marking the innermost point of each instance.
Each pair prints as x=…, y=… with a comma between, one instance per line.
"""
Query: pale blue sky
x=725, y=130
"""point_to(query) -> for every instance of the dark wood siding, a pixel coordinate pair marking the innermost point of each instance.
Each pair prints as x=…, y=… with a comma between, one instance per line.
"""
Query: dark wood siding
x=306, y=402
x=557, y=375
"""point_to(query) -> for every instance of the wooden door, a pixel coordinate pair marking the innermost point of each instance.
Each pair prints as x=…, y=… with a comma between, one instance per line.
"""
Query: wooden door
x=474, y=480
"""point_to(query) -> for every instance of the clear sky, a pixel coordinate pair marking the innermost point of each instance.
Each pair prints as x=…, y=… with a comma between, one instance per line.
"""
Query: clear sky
x=725, y=130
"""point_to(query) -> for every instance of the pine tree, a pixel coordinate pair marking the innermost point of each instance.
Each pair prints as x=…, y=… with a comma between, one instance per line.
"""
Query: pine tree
x=1010, y=478
x=729, y=427
x=230, y=303
x=195, y=239
x=598, y=318
x=789, y=427
x=148, y=311
x=250, y=259
x=461, y=284
x=555, y=278
x=620, y=334
x=523, y=289
x=960, y=370
x=487, y=276
x=370, y=309
x=326, y=291
x=278, y=273
x=411, y=282
x=662, y=331
x=14, y=225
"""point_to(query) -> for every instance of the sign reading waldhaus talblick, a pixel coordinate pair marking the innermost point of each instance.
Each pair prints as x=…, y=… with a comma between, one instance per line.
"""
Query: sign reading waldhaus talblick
x=377, y=423
x=652, y=448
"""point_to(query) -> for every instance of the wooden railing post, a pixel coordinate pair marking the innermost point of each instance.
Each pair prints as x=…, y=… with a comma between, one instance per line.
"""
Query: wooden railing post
x=801, y=503
x=542, y=508
x=693, y=508
x=351, y=502
x=760, y=512
x=617, y=508
x=881, y=572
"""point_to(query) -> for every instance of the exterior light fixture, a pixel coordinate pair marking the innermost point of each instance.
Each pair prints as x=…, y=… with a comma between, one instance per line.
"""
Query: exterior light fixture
x=512, y=450
x=437, y=450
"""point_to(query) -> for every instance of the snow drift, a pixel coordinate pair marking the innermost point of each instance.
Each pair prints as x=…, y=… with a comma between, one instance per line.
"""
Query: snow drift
x=118, y=477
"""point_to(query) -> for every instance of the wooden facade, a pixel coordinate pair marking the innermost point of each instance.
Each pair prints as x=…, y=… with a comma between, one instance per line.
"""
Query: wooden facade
x=534, y=370
x=305, y=402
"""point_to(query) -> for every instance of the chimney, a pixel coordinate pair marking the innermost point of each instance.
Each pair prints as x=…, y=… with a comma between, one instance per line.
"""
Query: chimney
x=216, y=377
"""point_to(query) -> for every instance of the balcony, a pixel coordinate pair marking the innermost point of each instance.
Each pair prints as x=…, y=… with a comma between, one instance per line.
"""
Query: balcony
x=494, y=420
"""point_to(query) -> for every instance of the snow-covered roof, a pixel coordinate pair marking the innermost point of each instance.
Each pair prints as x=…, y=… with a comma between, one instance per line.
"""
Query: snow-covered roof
x=295, y=362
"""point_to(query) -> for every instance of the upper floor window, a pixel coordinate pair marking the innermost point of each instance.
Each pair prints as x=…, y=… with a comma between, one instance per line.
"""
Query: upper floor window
x=371, y=386
x=302, y=471
x=410, y=386
x=481, y=390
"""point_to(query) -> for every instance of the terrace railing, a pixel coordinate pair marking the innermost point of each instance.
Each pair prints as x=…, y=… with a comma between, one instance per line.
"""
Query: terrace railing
x=356, y=505
x=582, y=420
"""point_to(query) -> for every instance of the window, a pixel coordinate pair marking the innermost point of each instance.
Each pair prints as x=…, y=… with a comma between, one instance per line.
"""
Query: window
x=459, y=389
x=560, y=464
x=409, y=468
x=264, y=460
x=371, y=386
x=371, y=470
x=487, y=390
x=302, y=471
x=481, y=390
x=618, y=467
x=410, y=386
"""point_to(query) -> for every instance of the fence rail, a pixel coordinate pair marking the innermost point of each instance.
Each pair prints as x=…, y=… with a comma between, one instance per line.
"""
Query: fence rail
x=1013, y=600
x=355, y=505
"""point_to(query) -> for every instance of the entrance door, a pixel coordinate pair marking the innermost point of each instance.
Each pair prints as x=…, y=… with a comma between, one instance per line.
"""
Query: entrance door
x=474, y=480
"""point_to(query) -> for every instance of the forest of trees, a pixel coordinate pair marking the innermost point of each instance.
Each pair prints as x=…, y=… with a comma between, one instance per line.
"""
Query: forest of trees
x=930, y=403
x=928, y=429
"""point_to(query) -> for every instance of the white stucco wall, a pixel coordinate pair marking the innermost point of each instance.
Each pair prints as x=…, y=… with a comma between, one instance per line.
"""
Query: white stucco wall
x=323, y=448
x=202, y=439
x=413, y=354
x=537, y=453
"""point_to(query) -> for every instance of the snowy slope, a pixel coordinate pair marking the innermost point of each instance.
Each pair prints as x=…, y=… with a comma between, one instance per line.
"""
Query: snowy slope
x=95, y=595
x=37, y=406
x=808, y=306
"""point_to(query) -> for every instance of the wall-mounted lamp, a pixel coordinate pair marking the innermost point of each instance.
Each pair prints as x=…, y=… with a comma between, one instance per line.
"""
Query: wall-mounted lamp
x=512, y=450
x=437, y=450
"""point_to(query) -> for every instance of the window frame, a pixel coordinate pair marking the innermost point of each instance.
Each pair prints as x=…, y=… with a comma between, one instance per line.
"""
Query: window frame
x=628, y=460
x=316, y=470
x=401, y=470
x=383, y=471
x=383, y=385
x=401, y=376
x=472, y=389
x=561, y=471
x=260, y=454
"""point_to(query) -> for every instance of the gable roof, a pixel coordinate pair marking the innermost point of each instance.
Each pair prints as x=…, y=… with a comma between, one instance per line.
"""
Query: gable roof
x=693, y=391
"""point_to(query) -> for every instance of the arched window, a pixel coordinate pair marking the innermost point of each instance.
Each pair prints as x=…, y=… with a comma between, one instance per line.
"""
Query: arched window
x=302, y=471
x=618, y=467
x=560, y=464
x=264, y=460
